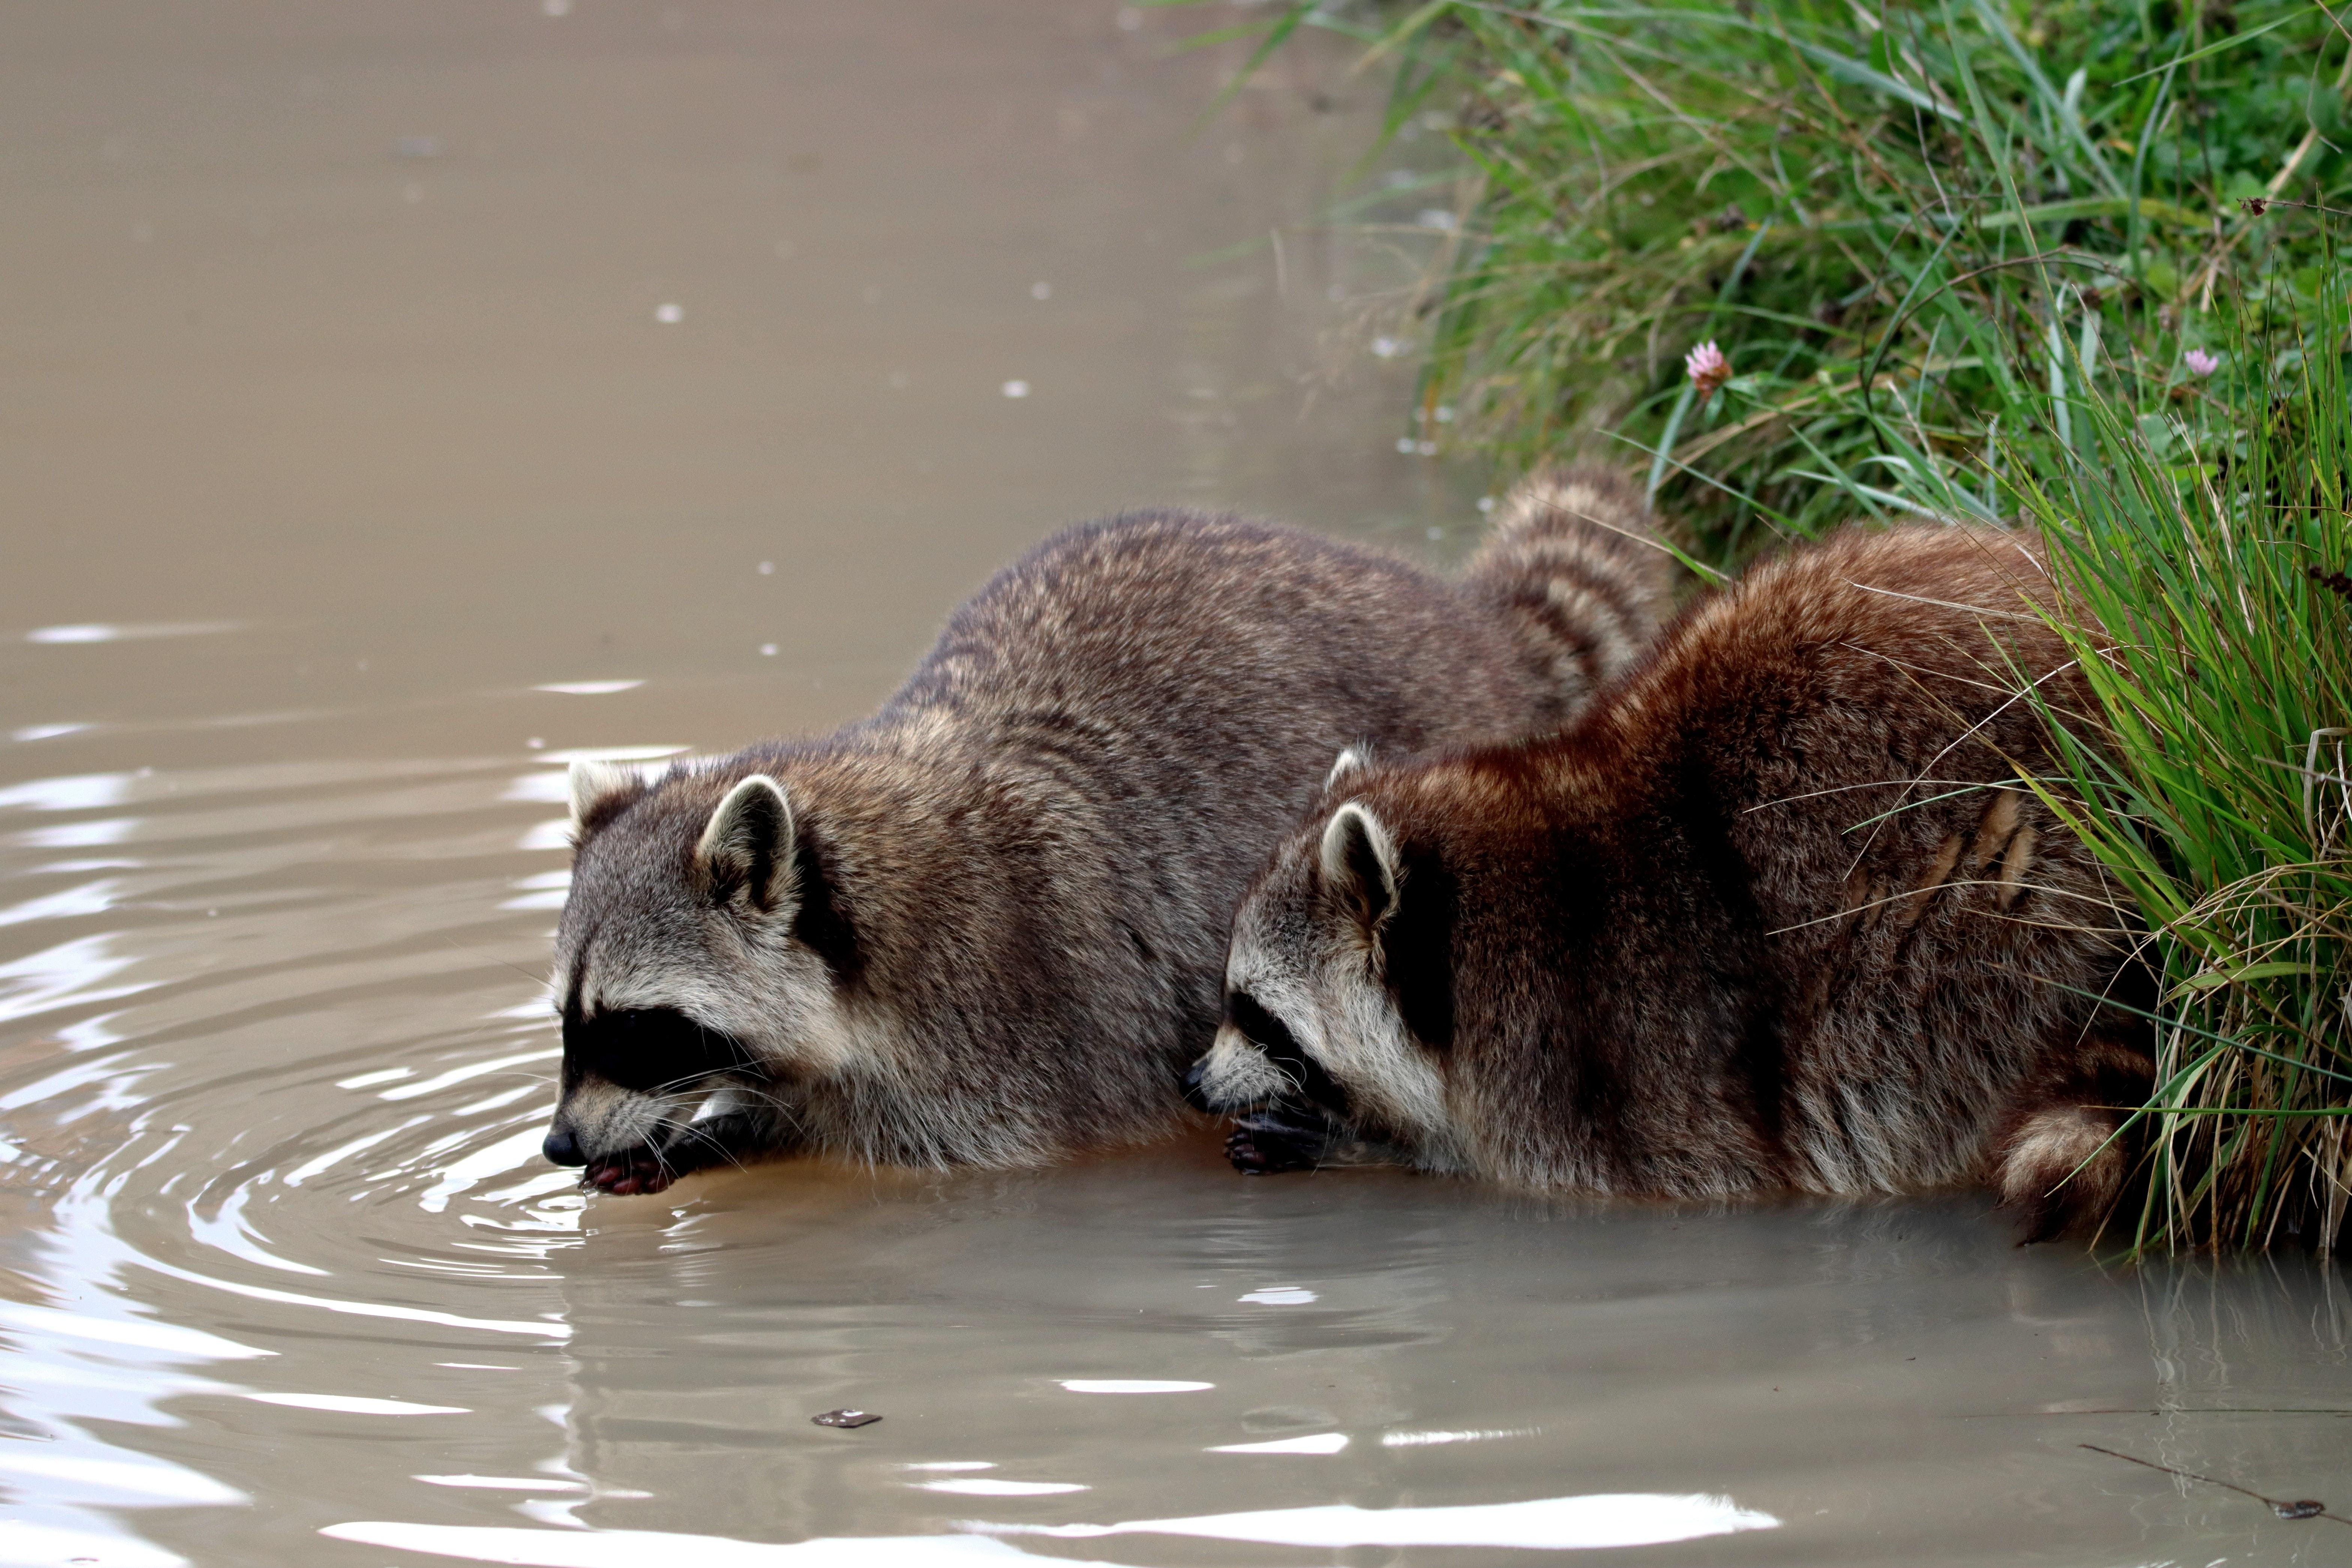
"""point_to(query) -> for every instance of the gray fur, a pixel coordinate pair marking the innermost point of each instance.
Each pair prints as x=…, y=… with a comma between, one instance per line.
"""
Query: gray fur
x=987, y=925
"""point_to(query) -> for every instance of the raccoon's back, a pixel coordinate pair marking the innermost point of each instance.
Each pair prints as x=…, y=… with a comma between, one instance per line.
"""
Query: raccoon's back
x=1211, y=636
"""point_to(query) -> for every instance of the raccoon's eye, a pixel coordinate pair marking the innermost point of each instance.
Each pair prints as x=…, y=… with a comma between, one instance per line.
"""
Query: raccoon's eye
x=650, y=1049
x=1258, y=1026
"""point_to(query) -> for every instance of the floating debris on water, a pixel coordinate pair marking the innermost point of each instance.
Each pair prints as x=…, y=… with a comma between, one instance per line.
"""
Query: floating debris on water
x=2303, y=1507
x=846, y=1418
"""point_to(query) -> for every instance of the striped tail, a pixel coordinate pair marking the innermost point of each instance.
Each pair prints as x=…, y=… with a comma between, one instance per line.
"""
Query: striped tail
x=1573, y=566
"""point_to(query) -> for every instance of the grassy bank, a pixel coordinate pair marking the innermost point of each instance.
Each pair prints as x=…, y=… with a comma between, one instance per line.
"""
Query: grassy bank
x=2072, y=264
x=2218, y=794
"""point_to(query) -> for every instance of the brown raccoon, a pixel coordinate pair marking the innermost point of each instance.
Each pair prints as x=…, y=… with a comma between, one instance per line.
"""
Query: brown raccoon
x=987, y=924
x=1776, y=913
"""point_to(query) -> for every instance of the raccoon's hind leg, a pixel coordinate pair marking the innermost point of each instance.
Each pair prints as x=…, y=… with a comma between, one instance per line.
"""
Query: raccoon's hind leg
x=2056, y=1158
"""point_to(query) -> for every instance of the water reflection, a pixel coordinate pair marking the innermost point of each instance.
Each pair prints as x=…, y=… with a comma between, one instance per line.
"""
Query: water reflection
x=79, y=1382
x=635, y=1548
x=1547, y=1525
x=96, y=633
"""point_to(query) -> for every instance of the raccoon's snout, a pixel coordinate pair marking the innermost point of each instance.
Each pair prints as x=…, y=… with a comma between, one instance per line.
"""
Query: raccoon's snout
x=563, y=1149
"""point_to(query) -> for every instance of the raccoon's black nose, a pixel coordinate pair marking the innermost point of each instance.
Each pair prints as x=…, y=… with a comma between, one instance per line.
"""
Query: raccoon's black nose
x=1193, y=1082
x=563, y=1149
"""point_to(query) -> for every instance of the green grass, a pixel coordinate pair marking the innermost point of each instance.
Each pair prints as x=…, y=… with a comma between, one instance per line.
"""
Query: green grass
x=1958, y=255
x=2212, y=778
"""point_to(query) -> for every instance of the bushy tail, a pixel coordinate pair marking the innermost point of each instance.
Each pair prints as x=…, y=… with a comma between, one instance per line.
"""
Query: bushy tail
x=2059, y=1156
x=1573, y=566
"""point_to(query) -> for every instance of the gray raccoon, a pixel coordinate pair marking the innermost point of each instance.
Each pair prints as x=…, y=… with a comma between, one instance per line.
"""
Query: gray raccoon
x=987, y=924
x=1776, y=913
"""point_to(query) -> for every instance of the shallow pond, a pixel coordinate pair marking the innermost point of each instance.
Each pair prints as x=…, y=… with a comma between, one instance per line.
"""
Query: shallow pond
x=402, y=400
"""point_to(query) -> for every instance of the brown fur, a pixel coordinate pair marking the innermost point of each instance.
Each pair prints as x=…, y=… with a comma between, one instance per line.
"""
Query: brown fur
x=1775, y=914
x=986, y=925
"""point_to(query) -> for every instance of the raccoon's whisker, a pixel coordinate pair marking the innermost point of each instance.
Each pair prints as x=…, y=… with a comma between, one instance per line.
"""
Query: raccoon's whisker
x=673, y=1086
x=455, y=945
x=661, y=1161
x=783, y=1109
x=689, y=1129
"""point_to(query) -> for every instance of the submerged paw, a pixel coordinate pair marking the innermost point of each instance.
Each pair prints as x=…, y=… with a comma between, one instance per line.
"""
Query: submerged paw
x=1269, y=1141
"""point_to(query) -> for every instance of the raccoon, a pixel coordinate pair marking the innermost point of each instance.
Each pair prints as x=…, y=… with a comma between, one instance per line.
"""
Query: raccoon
x=986, y=925
x=1778, y=913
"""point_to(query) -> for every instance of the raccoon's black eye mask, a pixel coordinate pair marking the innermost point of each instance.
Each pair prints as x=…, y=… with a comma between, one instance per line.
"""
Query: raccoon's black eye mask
x=648, y=1048
x=1270, y=1035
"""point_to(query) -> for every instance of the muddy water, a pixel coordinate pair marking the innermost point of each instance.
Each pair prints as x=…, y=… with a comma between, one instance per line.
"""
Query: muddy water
x=400, y=401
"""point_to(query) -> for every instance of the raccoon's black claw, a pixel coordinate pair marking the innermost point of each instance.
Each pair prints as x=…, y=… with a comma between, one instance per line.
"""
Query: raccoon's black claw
x=1252, y=1158
x=1263, y=1146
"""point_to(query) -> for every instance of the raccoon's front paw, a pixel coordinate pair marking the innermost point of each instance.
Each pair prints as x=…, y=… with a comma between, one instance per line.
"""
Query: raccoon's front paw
x=1269, y=1141
x=1255, y=1154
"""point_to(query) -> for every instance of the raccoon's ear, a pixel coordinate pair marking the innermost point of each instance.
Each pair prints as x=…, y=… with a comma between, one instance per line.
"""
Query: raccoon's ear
x=1402, y=903
x=1360, y=866
x=745, y=850
x=1354, y=759
x=599, y=790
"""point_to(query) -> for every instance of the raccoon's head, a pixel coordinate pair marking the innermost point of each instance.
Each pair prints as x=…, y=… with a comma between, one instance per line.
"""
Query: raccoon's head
x=1338, y=992
x=699, y=963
